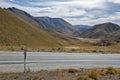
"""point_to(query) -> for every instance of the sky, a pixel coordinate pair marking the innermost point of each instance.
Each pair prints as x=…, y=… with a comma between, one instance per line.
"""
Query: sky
x=87, y=12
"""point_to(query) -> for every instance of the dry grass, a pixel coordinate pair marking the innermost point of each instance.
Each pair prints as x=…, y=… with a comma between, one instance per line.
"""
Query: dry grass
x=81, y=48
x=83, y=78
x=90, y=48
x=109, y=73
x=88, y=40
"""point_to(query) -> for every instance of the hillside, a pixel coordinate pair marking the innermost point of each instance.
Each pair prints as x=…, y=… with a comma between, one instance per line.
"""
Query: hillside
x=30, y=19
x=52, y=25
x=60, y=25
x=16, y=32
x=82, y=28
x=103, y=31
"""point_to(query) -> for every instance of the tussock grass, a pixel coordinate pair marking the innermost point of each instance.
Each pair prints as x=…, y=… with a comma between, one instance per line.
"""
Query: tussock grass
x=71, y=70
x=108, y=73
x=110, y=70
x=93, y=75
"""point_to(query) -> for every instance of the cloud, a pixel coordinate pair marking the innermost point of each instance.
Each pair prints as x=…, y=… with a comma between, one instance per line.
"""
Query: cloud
x=86, y=4
x=71, y=8
x=114, y=1
x=106, y=18
x=11, y=0
x=74, y=11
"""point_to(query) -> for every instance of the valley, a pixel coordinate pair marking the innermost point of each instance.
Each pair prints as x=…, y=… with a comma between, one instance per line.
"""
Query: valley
x=59, y=40
x=55, y=34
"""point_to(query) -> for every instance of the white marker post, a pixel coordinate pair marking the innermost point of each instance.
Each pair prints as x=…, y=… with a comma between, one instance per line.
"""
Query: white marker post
x=25, y=55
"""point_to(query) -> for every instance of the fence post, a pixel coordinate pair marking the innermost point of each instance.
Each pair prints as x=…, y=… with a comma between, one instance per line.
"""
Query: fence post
x=25, y=56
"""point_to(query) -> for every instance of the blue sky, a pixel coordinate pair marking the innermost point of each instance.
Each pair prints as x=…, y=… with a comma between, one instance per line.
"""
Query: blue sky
x=89, y=12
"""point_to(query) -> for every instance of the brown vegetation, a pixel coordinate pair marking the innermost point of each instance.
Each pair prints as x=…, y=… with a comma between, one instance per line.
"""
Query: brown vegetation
x=109, y=73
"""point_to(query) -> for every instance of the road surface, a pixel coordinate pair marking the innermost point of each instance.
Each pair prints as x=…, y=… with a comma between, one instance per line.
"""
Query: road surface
x=13, y=61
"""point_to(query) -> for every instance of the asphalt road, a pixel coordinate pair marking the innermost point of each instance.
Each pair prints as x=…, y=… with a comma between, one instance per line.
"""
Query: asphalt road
x=13, y=61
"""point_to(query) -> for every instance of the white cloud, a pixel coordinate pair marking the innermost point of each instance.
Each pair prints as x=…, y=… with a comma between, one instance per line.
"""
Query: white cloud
x=107, y=18
x=4, y=4
x=30, y=10
x=68, y=8
x=74, y=11
x=86, y=4
x=114, y=1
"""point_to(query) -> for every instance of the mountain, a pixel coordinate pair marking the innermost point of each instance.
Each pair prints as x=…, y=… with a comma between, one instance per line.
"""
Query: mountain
x=30, y=19
x=103, y=31
x=16, y=32
x=82, y=28
x=60, y=25
x=52, y=25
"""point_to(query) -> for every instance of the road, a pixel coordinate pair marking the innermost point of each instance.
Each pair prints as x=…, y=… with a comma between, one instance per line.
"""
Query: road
x=13, y=61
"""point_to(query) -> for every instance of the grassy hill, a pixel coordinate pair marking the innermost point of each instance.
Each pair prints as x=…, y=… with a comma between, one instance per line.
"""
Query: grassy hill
x=16, y=32
x=109, y=31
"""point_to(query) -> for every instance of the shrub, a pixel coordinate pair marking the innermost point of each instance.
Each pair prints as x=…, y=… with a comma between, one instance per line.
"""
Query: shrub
x=93, y=75
x=22, y=49
x=16, y=77
x=73, y=50
x=110, y=70
x=72, y=70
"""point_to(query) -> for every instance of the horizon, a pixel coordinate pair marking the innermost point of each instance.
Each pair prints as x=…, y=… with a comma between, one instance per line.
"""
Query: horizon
x=74, y=11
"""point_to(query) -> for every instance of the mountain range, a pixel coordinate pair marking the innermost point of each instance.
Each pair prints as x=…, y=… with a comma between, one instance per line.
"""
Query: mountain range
x=53, y=25
x=20, y=28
